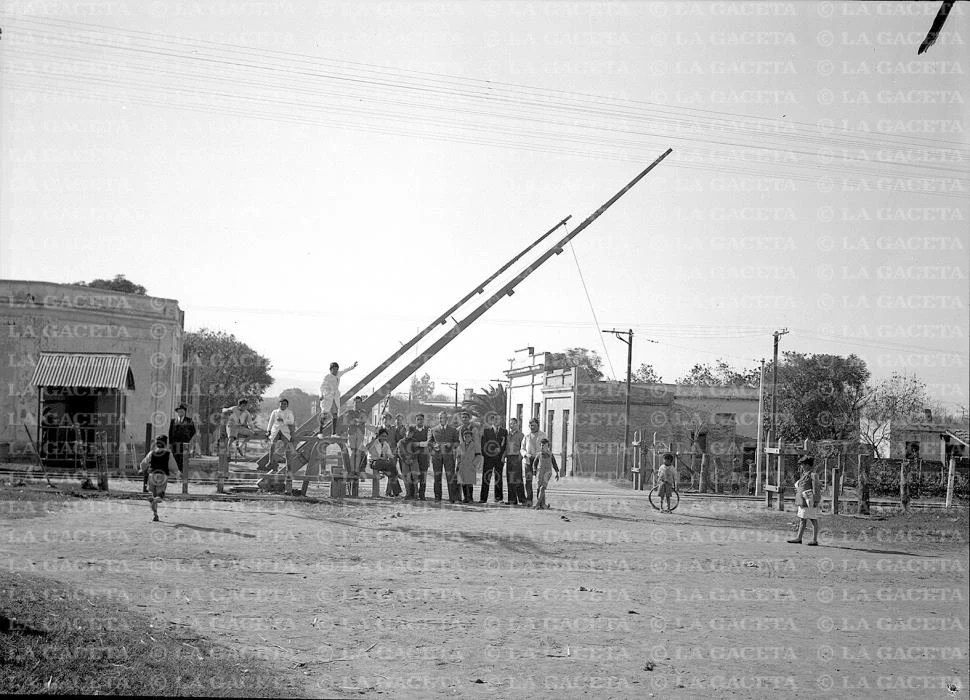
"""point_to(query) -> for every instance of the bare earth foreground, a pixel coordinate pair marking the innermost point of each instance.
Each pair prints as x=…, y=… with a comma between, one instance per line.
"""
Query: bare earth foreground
x=600, y=596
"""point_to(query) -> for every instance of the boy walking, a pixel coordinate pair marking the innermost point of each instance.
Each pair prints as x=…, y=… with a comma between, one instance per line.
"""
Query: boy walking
x=807, y=497
x=543, y=465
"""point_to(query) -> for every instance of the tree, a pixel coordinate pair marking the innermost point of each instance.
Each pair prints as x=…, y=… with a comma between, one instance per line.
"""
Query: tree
x=490, y=400
x=899, y=398
x=219, y=370
x=820, y=397
x=646, y=374
x=588, y=360
x=720, y=374
x=119, y=284
x=422, y=388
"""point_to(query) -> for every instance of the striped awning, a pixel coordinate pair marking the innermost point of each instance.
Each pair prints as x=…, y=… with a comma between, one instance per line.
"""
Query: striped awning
x=84, y=369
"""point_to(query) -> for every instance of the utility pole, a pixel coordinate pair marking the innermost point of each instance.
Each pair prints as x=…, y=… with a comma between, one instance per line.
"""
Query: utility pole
x=774, y=381
x=455, y=386
x=629, y=374
x=761, y=430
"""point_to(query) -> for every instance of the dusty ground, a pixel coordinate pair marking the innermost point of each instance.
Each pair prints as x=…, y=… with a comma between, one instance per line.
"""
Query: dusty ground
x=600, y=596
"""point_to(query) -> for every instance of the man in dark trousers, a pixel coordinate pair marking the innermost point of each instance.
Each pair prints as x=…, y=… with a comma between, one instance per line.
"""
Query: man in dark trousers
x=513, y=464
x=494, y=440
x=444, y=442
x=422, y=437
x=181, y=430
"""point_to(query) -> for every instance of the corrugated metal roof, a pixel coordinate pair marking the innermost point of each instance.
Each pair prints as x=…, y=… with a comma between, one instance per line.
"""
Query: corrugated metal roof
x=961, y=435
x=84, y=369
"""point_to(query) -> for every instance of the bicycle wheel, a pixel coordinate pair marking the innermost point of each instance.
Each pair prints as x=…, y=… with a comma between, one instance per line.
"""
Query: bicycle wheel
x=674, y=500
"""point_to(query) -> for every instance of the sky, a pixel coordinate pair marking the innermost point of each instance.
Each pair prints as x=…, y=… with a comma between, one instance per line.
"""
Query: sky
x=324, y=179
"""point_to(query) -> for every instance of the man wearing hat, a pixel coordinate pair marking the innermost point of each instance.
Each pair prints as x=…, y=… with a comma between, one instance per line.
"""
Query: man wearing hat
x=181, y=430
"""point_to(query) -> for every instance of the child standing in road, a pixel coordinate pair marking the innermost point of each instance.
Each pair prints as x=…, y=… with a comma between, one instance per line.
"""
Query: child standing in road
x=807, y=497
x=666, y=478
x=543, y=465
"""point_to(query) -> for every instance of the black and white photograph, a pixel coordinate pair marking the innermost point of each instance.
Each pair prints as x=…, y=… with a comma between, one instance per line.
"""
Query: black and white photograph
x=485, y=348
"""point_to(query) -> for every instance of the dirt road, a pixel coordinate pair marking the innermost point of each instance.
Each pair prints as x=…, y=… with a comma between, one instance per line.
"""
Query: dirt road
x=599, y=596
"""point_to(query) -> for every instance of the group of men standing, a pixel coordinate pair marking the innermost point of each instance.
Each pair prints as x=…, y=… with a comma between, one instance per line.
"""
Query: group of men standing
x=455, y=454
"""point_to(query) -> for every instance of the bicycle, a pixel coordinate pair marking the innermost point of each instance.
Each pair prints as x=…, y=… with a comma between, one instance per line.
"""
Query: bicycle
x=655, y=493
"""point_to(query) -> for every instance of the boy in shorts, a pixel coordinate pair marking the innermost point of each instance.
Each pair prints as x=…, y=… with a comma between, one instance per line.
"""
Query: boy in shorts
x=543, y=465
x=666, y=478
x=159, y=463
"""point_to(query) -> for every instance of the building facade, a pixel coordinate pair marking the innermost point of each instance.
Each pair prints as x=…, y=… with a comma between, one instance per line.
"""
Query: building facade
x=585, y=420
x=77, y=361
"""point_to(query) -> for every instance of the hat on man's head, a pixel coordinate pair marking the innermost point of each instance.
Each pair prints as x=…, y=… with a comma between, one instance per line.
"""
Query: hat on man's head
x=807, y=461
x=181, y=407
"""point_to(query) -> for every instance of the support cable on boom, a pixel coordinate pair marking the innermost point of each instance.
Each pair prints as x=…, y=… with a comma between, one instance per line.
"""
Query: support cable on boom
x=592, y=310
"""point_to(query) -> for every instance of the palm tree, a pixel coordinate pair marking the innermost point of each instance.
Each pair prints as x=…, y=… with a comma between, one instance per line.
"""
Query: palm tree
x=490, y=400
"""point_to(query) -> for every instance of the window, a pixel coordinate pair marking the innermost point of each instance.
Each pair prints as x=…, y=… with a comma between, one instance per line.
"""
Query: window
x=912, y=449
x=518, y=412
x=550, y=420
x=536, y=410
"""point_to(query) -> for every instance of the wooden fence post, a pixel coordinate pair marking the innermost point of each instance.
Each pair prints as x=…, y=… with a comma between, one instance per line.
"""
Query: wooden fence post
x=835, y=490
x=903, y=486
x=949, y=482
x=863, y=485
x=619, y=461
x=596, y=454
x=223, y=467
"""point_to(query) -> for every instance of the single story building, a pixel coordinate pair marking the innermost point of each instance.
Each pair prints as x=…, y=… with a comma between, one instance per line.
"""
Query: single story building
x=86, y=369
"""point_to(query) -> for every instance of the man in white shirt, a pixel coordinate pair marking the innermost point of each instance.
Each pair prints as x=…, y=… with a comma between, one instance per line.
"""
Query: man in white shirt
x=330, y=395
x=531, y=448
x=281, y=426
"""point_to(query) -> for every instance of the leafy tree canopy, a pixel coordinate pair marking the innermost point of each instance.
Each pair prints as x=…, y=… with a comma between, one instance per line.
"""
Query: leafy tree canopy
x=820, y=397
x=422, y=388
x=223, y=369
x=120, y=283
x=646, y=374
x=589, y=360
x=720, y=373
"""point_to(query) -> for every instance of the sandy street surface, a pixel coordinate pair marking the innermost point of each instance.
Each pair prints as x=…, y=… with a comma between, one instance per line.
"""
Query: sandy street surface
x=600, y=596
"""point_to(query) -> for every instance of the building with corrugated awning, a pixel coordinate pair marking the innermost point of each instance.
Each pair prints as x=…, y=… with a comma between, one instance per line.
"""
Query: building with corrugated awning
x=86, y=370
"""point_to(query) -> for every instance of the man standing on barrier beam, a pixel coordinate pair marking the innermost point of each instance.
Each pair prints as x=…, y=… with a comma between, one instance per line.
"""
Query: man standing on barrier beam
x=444, y=441
x=330, y=395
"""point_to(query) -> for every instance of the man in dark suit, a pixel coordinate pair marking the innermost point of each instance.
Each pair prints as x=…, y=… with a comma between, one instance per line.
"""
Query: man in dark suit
x=494, y=440
x=181, y=430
